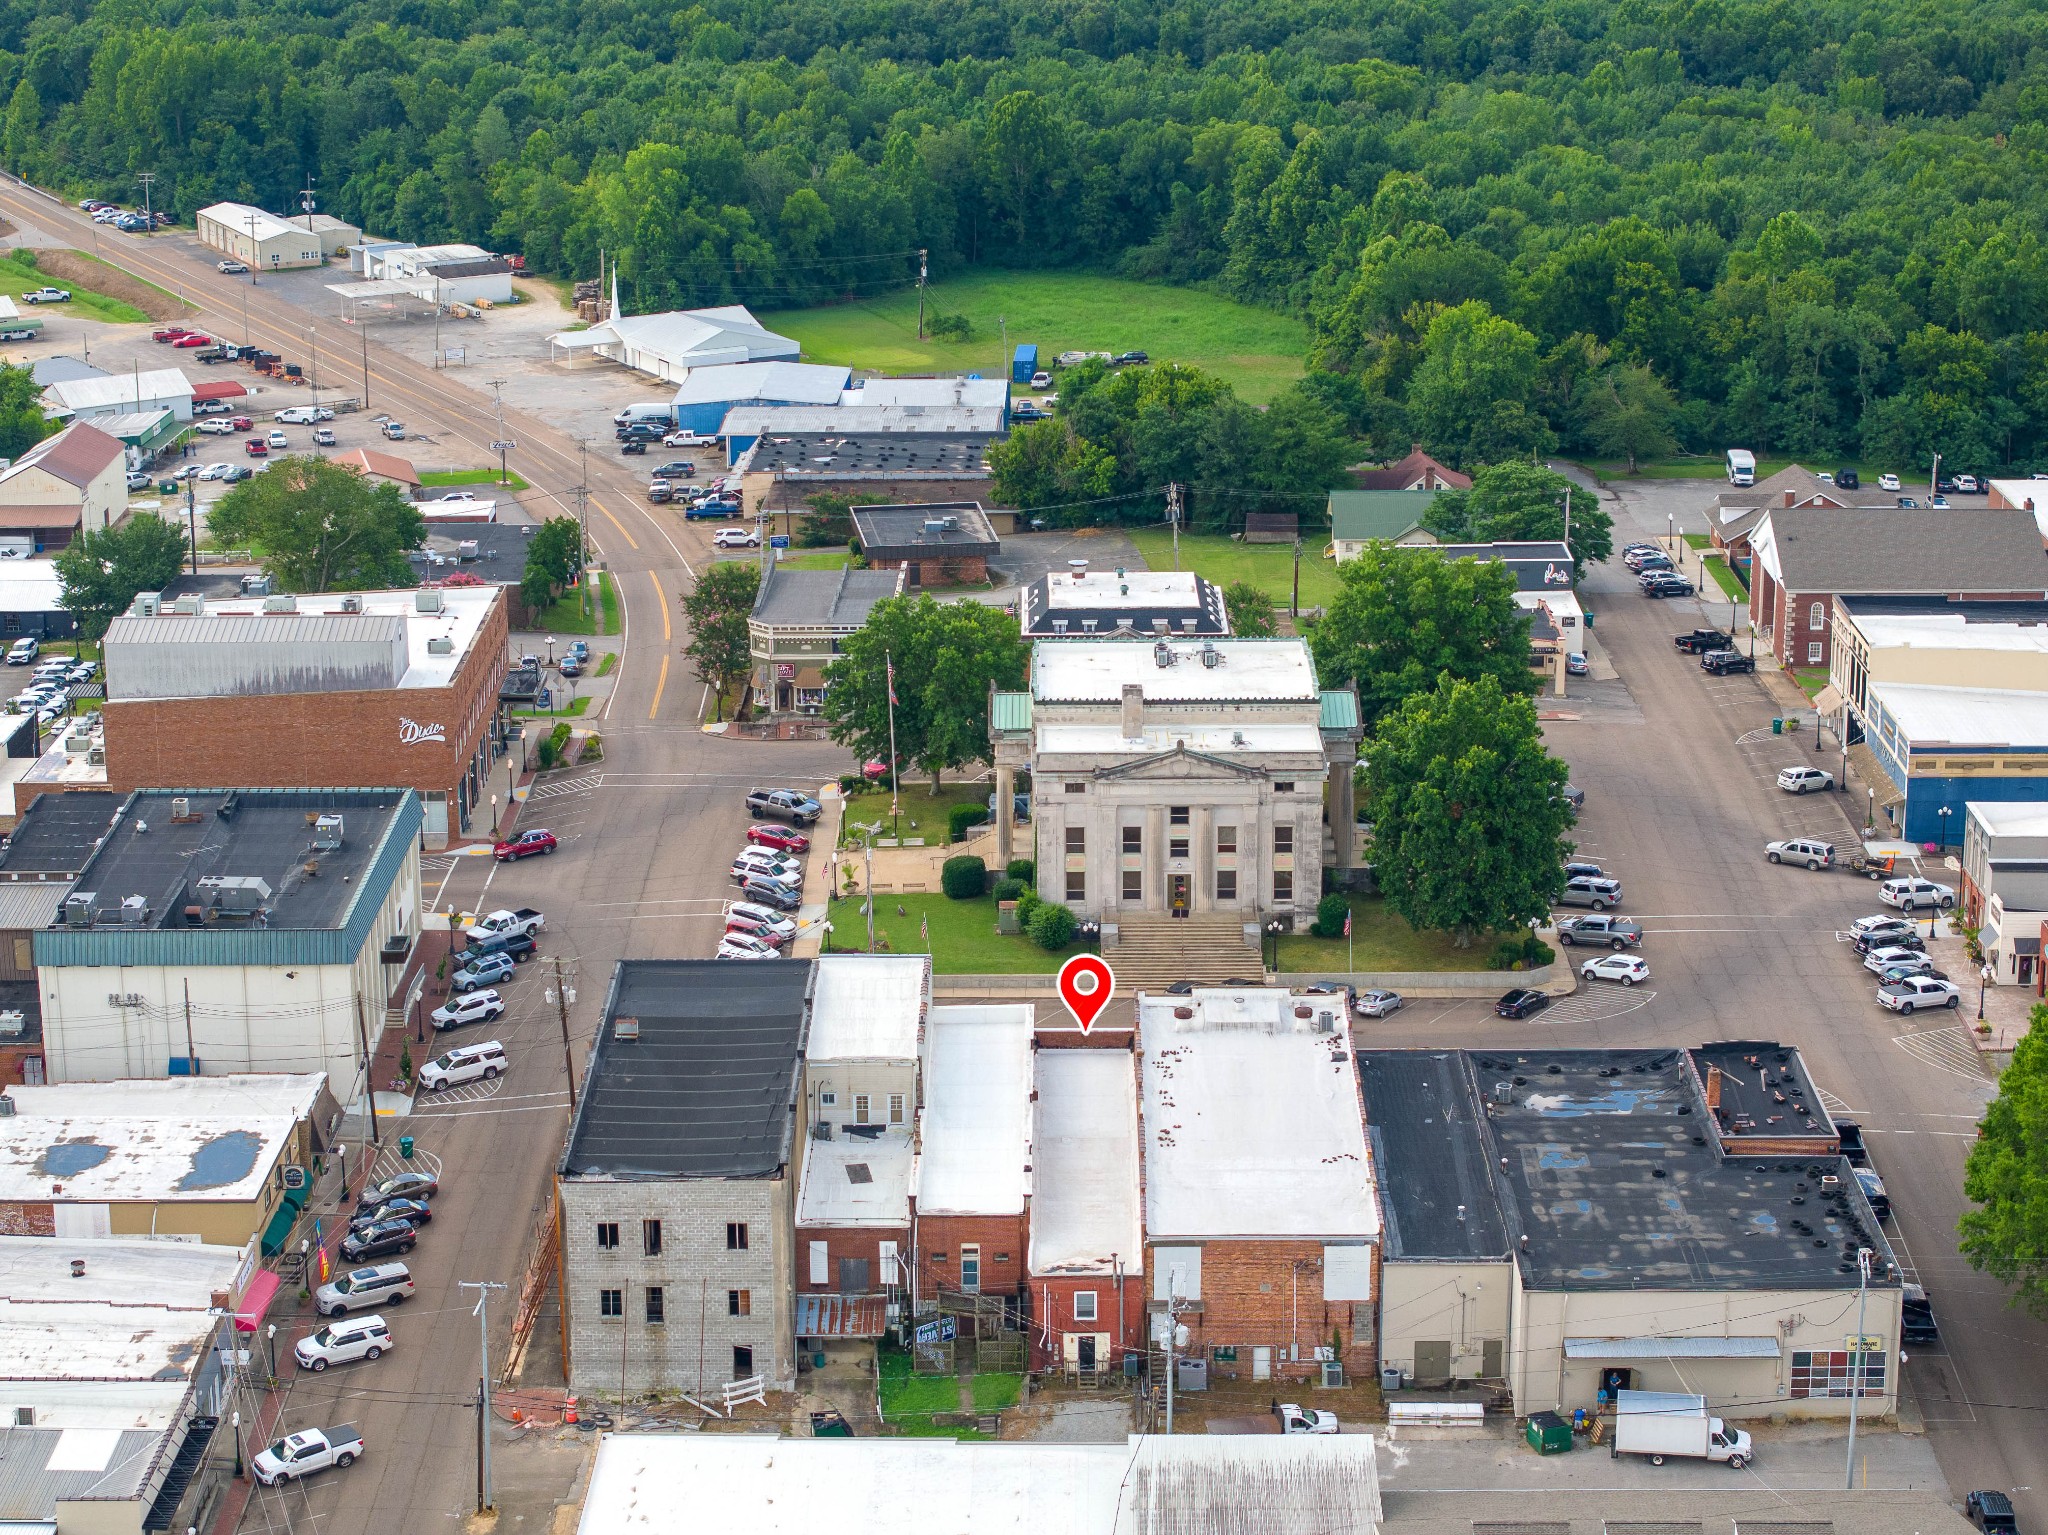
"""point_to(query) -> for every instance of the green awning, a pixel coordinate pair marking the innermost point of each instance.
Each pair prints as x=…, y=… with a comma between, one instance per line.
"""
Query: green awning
x=279, y=1231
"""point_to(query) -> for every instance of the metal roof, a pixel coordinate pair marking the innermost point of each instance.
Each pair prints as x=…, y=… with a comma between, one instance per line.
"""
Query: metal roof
x=1363, y=514
x=1672, y=1348
x=1010, y=711
x=841, y=1316
x=1340, y=709
x=30, y=1491
x=28, y=905
x=823, y=599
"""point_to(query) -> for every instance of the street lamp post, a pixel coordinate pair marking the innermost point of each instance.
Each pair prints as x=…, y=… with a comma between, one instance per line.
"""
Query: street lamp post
x=1870, y=812
x=1983, y=981
x=1273, y=930
x=1943, y=812
x=236, y=1420
x=270, y=1336
x=494, y=817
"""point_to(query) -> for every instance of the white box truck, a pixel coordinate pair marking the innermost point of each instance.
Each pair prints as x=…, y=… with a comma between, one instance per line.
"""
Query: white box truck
x=1657, y=1424
x=1741, y=467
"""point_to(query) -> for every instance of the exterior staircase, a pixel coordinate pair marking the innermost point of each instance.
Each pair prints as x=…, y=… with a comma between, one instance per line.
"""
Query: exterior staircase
x=1154, y=952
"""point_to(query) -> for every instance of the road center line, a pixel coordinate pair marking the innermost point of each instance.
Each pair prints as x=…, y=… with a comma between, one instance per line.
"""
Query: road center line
x=661, y=598
x=660, y=683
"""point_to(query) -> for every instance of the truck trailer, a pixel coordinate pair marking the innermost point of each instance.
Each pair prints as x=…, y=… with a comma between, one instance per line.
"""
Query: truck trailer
x=1661, y=1424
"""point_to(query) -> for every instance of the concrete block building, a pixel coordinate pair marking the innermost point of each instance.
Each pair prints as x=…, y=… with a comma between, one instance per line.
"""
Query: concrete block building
x=677, y=1192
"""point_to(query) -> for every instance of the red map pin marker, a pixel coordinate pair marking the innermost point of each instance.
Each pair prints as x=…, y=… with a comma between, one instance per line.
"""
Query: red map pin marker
x=1085, y=985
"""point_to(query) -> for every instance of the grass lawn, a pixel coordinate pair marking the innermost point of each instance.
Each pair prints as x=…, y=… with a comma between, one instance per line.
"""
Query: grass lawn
x=1730, y=583
x=570, y=710
x=1224, y=560
x=1382, y=940
x=568, y=617
x=997, y=1392
x=813, y=559
x=17, y=279
x=472, y=477
x=606, y=662
x=909, y=1401
x=1706, y=467
x=1258, y=351
x=923, y=814
x=1810, y=679
x=964, y=936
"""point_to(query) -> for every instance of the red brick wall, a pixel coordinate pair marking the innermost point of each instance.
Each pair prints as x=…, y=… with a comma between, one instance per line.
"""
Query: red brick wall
x=12, y=1059
x=847, y=1242
x=1250, y=1297
x=27, y=1220
x=940, y=572
x=1052, y=1317
x=1003, y=1240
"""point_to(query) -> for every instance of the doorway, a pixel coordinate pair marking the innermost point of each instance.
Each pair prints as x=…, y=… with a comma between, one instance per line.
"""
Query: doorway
x=1614, y=1381
x=1262, y=1363
x=1084, y=1351
x=970, y=1270
x=1178, y=886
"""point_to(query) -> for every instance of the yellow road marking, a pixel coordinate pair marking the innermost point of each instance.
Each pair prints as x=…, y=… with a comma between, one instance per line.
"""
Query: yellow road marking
x=659, y=683
x=661, y=597
x=629, y=538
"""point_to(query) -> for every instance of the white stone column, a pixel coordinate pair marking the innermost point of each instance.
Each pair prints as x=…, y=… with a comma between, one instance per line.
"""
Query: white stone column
x=1005, y=818
x=1201, y=847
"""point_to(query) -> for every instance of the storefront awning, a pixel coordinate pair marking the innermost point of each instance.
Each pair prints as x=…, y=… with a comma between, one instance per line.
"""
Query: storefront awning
x=279, y=1230
x=1671, y=1348
x=841, y=1316
x=1828, y=700
x=1873, y=776
x=256, y=1300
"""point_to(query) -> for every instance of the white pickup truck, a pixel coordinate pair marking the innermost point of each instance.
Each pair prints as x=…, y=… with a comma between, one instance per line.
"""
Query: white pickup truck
x=505, y=924
x=307, y=1451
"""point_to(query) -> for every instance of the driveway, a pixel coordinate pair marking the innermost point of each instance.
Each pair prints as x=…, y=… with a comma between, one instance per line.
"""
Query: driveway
x=1027, y=556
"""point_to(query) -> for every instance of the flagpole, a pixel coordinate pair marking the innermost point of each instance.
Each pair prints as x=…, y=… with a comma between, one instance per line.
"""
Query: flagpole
x=889, y=662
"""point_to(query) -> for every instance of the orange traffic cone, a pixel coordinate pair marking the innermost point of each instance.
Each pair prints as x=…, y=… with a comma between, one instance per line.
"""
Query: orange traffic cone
x=569, y=1411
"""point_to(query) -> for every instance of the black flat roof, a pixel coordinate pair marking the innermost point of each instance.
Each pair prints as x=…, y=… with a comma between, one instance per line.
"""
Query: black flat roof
x=706, y=1087
x=1763, y=1089
x=907, y=532
x=1991, y=612
x=1608, y=1177
x=499, y=556
x=1422, y=1115
x=56, y=835
x=826, y=455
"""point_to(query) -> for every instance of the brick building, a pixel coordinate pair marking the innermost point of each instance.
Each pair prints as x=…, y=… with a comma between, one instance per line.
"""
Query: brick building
x=677, y=1191
x=1087, y=1242
x=936, y=543
x=51, y=842
x=1737, y=509
x=380, y=688
x=1261, y=1218
x=973, y=1187
x=782, y=473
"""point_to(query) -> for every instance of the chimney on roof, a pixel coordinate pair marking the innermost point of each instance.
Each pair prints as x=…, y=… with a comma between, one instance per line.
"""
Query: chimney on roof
x=1714, y=1087
x=1789, y=497
x=1134, y=710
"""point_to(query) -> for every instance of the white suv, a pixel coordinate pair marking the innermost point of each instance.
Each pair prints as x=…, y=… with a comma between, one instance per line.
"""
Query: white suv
x=1916, y=894
x=736, y=538
x=1810, y=851
x=364, y=1337
x=372, y=1286
x=758, y=860
x=471, y=1063
x=1798, y=780
x=471, y=1007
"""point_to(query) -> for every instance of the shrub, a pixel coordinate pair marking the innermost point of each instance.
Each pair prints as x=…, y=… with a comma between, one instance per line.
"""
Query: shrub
x=1524, y=953
x=963, y=817
x=963, y=878
x=949, y=327
x=1331, y=911
x=1027, y=903
x=1052, y=926
x=1009, y=889
x=1506, y=954
x=1022, y=870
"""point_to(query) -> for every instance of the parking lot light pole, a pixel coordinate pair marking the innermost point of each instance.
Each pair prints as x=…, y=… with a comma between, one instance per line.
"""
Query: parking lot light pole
x=1943, y=812
x=1983, y=981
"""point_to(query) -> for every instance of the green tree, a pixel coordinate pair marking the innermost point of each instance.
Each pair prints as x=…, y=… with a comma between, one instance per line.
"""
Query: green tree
x=23, y=123
x=22, y=423
x=944, y=657
x=554, y=557
x=1473, y=394
x=2006, y=1176
x=717, y=608
x=831, y=520
x=1468, y=810
x=1520, y=502
x=1627, y=411
x=1250, y=611
x=102, y=572
x=321, y=527
x=1405, y=617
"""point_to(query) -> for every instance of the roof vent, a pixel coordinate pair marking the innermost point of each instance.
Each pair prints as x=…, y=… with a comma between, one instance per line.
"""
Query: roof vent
x=351, y=604
x=440, y=645
x=625, y=1028
x=191, y=607
x=78, y=1268
x=428, y=602
x=1080, y=568
x=283, y=602
x=181, y=807
x=327, y=833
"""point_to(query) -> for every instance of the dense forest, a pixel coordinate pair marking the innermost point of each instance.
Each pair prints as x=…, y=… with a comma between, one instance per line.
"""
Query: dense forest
x=1803, y=225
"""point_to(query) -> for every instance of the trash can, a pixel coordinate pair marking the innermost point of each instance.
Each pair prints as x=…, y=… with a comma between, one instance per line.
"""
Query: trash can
x=1390, y=1377
x=405, y=1147
x=1777, y=727
x=1548, y=1434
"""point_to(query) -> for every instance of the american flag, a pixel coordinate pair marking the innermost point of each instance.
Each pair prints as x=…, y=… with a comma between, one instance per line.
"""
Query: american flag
x=1347, y=924
x=890, y=668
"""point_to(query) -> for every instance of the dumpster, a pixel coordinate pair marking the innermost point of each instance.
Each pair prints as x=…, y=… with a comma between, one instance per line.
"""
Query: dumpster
x=1548, y=1434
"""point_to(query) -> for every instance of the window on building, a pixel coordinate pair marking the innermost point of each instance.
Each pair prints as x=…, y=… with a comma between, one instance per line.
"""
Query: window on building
x=1176, y=815
x=1817, y=617
x=1077, y=839
x=739, y=1302
x=1076, y=788
x=1176, y=847
x=611, y=1303
x=1284, y=788
x=1226, y=839
x=607, y=1236
x=742, y=1362
x=1283, y=839
x=1226, y=884
x=1283, y=885
x=1134, y=885
x=1823, y=1373
x=896, y=1108
x=938, y=1257
x=735, y=1236
x=1134, y=839
x=655, y=1309
x=829, y=1098
x=1077, y=885
x=1813, y=653
x=650, y=1238
x=860, y=1108
x=1084, y=1305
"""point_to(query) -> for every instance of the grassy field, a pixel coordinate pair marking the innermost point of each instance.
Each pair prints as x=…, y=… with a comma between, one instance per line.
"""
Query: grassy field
x=909, y=1401
x=568, y=617
x=471, y=477
x=569, y=710
x=1381, y=939
x=813, y=559
x=1224, y=560
x=1259, y=352
x=923, y=814
x=964, y=937
x=16, y=278
x=1811, y=680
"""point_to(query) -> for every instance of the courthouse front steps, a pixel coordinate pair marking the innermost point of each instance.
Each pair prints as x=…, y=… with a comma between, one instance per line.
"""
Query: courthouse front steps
x=1154, y=952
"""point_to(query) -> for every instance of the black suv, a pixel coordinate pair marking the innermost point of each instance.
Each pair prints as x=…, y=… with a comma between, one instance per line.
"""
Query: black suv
x=1990, y=1510
x=379, y=1241
x=1846, y=479
x=1701, y=641
x=1724, y=662
x=1916, y=1316
x=1520, y=1003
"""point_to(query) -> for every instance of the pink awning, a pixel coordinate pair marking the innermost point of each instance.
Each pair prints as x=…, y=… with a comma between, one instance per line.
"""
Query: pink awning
x=256, y=1300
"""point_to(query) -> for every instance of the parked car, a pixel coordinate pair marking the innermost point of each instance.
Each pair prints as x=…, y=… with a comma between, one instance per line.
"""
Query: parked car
x=379, y=1241
x=484, y=970
x=760, y=921
x=217, y=428
x=307, y=1451
x=718, y=509
x=1520, y=1003
x=1589, y=890
x=1905, y=997
x=745, y=946
x=1579, y=866
x=634, y=447
x=309, y=415
x=776, y=866
x=415, y=1212
x=791, y=805
x=256, y=447
x=660, y=492
x=1916, y=1314
x=232, y=268
x=471, y=1007
x=1991, y=1511
x=1123, y=359
x=323, y=436
x=210, y=408
x=1966, y=484
x=1889, y=956
x=379, y=1284
x=23, y=651
x=525, y=845
x=191, y=340
x=1624, y=968
x=1701, y=641
x=1887, y=482
x=1377, y=1002
x=1873, y=1191
x=138, y=481
x=1575, y=663
x=1810, y=851
x=1916, y=894
x=761, y=890
x=1847, y=479
x=1667, y=585
x=394, y=431
x=407, y=1185
x=469, y=1063
x=244, y=423
x=165, y=333
x=277, y=439
x=517, y=947
x=84, y=671
x=687, y=440
x=736, y=538
x=1803, y=780
x=782, y=839
x=1893, y=935
x=47, y=295
x=1918, y=965
x=1614, y=932
x=1849, y=1137
x=1725, y=663
x=676, y=469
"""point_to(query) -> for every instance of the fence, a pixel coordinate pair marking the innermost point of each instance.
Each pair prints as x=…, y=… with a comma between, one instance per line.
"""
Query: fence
x=533, y=1290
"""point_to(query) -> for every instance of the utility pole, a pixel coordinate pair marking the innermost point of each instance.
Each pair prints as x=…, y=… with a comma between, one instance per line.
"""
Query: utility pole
x=502, y=444
x=483, y=1390
x=192, y=524
x=147, y=180
x=366, y=349
x=1567, y=514
x=1934, y=477
x=1294, y=603
x=1858, y=1367
x=1174, y=1306
x=369, y=1082
x=583, y=522
x=1173, y=520
x=562, y=998
x=923, y=273
x=313, y=357
x=255, y=265
x=306, y=204
x=191, y=1050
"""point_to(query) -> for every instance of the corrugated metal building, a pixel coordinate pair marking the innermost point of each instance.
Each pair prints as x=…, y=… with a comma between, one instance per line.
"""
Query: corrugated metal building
x=234, y=656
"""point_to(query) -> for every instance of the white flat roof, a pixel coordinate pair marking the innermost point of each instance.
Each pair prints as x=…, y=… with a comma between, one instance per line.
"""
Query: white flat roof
x=970, y=393
x=1965, y=716
x=238, y=1095
x=137, y=1313
x=109, y=1159
x=1095, y=671
x=31, y=586
x=2029, y=495
x=1948, y=631
x=1100, y=589
x=977, y=1117
x=1084, y=1167
x=1256, y=739
x=134, y=390
x=1252, y=1121
x=173, y=1275
x=67, y=1341
x=832, y=1196
x=868, y=1007
x=2010, y=818
x=850, y=420
x=788, y=383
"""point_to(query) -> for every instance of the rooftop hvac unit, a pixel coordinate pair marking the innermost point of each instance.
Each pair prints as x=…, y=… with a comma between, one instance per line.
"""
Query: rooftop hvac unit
x=134, y=910
x=96, y=754
x=147, y=605
x=440, y=645
x=1162, y=654
x=255, y=586
x=327, y=833
x=351, y=604
x=469, y=549
x=428, y=602
x=1211, y=656
x=78, y=743
x=190, y=606
x=625, y=1028
x=240, y=893
x=6, y=1107
x=181, y=807
x=1326, y=1021
x=78, y=907
x=12, y=1023
x=283, y=602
